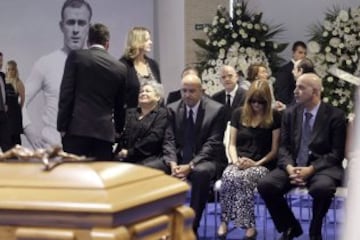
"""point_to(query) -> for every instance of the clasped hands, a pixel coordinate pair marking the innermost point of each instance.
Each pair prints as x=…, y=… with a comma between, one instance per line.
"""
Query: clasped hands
x=244, y=163
x=180, y=171
x=299, y=175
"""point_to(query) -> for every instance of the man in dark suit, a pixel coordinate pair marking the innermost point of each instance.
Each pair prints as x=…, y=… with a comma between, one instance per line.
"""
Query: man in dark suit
x=176, y=95
x=232, y=96
x=285, y=83
x=5, y=142
x=198, y=129
x=311, y=153
x=92, y=93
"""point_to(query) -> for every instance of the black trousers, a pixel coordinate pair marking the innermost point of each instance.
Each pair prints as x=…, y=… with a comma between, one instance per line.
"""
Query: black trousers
x=273, y=187
x=90, y=147
x=200, y=178
x=5, y=139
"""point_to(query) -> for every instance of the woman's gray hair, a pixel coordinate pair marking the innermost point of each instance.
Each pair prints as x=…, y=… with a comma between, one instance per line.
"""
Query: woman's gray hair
x=158, y=88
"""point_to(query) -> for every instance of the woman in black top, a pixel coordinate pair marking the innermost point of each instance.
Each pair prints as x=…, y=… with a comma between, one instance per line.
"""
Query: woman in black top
x=254, y=142
x=15, y=97
x=140, y=67
x=143, y=136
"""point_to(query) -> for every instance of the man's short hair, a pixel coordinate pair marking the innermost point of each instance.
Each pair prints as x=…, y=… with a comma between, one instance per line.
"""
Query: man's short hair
x=1, y=54
x=75, y=4
x=306, y=65
x=298, y=44
x=98, y=34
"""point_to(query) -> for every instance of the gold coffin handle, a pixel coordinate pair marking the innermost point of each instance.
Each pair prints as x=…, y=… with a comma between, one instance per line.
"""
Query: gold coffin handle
x=23, y=233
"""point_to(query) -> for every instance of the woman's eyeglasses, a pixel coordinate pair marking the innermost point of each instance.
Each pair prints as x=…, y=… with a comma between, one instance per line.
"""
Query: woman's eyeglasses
x=262, y=102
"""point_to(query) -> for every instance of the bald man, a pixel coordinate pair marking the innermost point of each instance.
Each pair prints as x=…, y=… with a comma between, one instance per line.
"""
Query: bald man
x=311, y=153
x=197, y=122
x=232, y=96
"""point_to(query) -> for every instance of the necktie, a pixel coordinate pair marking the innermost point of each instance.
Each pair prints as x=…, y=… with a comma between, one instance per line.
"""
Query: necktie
x=303, y=154
x=228, y=99
x=189, y=138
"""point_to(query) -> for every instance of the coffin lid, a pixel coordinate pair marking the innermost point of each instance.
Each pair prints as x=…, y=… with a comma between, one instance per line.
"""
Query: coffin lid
x=95, y=186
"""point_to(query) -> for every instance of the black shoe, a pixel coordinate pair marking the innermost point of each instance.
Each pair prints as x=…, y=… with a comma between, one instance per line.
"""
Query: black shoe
x=317, y=237
x=291, y=233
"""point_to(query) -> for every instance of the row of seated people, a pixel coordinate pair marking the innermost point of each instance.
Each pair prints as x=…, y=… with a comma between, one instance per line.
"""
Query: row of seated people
x=184, y=139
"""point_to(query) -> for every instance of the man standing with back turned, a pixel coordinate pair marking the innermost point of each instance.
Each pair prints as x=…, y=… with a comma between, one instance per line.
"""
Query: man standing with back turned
x=311, y=153
x=46, y=74
x=92, y=93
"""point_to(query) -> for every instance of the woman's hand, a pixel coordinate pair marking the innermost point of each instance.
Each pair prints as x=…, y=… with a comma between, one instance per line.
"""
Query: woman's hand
x=123, y=153
x=246, y=163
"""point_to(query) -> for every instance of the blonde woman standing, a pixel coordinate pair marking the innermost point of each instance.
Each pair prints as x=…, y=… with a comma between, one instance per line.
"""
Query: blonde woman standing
x=141, y=68
x=15, y=97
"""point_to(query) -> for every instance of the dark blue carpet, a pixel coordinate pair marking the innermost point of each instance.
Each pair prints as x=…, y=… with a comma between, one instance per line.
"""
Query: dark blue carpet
x=264, y=224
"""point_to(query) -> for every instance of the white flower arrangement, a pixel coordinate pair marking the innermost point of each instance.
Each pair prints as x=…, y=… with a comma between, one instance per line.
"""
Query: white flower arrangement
x=239, y=42
x=335, y=45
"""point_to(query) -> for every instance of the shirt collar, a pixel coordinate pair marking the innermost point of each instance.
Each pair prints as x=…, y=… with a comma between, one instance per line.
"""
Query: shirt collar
x=233, y=92
x=194, y=109
x=97, y=46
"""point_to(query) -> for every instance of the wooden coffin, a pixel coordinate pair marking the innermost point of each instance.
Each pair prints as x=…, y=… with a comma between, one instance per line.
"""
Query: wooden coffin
x=96, y=200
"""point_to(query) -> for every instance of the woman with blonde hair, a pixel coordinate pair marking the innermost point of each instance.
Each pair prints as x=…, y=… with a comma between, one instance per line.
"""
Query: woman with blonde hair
x=141, y=68
x=254, y=142
x=15, y=98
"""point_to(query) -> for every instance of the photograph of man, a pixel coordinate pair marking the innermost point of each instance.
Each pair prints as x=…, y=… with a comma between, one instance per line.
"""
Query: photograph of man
x=46, y=74
x=92, y=98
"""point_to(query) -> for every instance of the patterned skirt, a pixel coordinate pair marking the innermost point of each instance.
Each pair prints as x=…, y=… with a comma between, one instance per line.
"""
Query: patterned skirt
x=237, y=194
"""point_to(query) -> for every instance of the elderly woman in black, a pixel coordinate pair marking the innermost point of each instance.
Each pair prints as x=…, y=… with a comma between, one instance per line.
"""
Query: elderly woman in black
x=145, y=128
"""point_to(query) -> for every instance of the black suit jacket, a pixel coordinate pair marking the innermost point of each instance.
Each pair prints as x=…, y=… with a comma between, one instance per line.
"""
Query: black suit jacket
x=209, y=130
x=173, y=96
x=144, y=139
x=327, y=142
x=2, y=103
x=284, y=85
x=92, y=94
x=238, y=101
x=133, y=83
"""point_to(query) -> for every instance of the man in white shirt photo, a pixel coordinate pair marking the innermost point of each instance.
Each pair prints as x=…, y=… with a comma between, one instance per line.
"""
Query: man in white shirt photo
x=47, y=73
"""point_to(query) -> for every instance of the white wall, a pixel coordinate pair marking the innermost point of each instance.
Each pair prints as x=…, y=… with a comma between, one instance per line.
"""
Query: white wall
x=170, y=46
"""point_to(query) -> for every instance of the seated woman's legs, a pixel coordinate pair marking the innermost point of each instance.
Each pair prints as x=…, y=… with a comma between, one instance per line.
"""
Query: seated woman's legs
x=237, y=197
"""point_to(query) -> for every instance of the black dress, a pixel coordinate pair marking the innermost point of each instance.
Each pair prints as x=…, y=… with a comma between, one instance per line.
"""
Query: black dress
x=237, y=188
x=14, y=114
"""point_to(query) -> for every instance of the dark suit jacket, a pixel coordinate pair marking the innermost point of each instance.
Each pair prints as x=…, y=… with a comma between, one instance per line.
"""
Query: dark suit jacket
x=133, y=84
x=238, y=101
x=209, y=130
x=284, y=85
x=2, y=103
x=92, y=92
x=327, y=143
x=173, y=96
x=144, y=139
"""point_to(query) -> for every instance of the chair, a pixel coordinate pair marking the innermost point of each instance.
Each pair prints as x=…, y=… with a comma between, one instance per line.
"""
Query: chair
x=341, y=192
